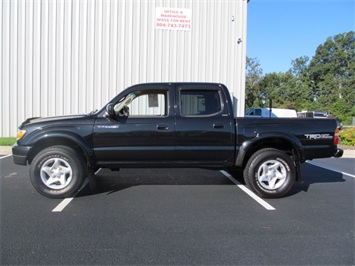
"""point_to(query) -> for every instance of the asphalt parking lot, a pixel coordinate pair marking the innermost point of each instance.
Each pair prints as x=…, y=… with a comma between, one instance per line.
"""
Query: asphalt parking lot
x=180, y=217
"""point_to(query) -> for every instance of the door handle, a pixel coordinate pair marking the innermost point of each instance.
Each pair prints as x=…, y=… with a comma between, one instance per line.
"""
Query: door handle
x=162, y=127
x=218, y=125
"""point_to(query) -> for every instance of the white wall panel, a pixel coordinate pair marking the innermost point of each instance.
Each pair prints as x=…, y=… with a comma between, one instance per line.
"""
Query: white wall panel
x=5, y=62
x=82, y=58
x=52, y=45
x=1, y=69
x=36, y=62
x=112, y=84
x=44, y=33
x=90, y=55
x=59, y=59
x=28, y=93
x=21, y=41
x=68, y=56
x=13, y=61
x=74, y=82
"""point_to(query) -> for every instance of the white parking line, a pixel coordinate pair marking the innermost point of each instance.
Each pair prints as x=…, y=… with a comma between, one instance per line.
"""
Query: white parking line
x=249, y=192
x=65, y=202
x=5, y=156
x=330, y=169
x=62, y=205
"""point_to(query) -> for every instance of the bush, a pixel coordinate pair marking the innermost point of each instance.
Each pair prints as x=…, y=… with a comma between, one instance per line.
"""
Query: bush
x=347, y=137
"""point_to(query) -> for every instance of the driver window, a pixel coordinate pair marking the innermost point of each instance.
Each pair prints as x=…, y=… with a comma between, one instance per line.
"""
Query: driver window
x=148, y=103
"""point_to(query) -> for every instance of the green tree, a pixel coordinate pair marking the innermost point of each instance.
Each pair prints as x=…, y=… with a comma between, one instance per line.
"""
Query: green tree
x=291, y=89
x=304, y=99
x=332, y=71
x=280, y=88
x=254, y=74
x=324, y=83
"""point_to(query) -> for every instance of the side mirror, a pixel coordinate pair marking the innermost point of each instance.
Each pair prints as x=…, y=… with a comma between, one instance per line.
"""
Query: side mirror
x=110, y=111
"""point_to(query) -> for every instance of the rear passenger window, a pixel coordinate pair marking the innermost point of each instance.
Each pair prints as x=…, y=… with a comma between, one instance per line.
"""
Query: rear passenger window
x=199, y=102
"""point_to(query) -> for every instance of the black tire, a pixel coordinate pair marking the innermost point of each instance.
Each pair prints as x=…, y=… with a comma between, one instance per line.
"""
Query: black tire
x=58, y=172
x=270, y=173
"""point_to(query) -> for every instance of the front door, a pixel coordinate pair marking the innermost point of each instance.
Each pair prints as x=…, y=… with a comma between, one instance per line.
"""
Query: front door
x=142, y=134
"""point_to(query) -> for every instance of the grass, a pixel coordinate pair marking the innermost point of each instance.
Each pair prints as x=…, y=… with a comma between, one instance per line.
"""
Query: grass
x=7, y=141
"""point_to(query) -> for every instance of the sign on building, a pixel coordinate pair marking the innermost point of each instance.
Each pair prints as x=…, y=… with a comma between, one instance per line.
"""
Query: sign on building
x=173, y=18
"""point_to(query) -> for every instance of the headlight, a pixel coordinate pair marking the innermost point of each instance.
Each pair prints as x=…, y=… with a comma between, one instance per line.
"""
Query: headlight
x=20, y=134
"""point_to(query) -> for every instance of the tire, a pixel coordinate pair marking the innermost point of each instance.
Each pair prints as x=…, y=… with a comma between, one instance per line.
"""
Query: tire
x=270, y=173
x=58, y=172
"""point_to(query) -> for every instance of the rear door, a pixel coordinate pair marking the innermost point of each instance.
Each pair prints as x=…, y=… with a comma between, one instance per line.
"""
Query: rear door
x=205, y=131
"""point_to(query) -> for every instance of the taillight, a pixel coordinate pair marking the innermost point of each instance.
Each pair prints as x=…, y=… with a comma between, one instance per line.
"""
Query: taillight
x=336, y=136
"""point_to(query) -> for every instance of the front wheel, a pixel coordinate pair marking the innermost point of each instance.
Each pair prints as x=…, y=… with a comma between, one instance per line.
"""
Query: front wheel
x=58, y=172
x=270, y=173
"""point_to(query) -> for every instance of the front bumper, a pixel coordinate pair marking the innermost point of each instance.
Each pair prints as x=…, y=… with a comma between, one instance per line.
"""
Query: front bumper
x=338, y=153
x=20, y=153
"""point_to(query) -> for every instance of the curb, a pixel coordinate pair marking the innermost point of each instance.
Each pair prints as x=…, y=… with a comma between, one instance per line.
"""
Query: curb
x=349, y=154
x=5, y=150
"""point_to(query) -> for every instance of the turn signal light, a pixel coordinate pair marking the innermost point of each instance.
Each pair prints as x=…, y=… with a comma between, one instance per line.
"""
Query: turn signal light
x=336, y=136
x=20, y=134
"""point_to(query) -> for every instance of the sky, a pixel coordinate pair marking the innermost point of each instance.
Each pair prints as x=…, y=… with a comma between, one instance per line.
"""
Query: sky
x=279, y=31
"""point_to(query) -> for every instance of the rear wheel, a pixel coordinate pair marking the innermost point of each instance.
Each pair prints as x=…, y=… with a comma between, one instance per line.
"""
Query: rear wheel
x=270, y=173
x=58, y=172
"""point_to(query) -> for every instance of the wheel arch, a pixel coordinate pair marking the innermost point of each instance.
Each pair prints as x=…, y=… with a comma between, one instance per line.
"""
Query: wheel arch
x=284, y=142
x=77, y=143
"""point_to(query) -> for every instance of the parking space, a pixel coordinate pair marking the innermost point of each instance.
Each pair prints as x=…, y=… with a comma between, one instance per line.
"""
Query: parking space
x=178, y=216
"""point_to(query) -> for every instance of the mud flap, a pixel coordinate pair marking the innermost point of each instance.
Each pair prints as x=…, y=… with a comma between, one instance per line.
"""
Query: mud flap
x=298, y=173
x=92, y=179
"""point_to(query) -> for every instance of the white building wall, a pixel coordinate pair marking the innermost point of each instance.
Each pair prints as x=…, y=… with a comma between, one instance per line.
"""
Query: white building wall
x=72, y=56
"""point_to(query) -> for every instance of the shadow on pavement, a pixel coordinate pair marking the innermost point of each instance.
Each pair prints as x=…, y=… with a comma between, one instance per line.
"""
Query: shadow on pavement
x=109, y=182
x=312, y=174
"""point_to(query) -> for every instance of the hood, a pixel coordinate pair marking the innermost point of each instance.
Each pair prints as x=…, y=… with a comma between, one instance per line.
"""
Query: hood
x=56, y=119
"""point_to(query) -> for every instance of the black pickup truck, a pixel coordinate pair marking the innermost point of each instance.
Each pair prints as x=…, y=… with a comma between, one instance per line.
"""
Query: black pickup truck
x=171, y=125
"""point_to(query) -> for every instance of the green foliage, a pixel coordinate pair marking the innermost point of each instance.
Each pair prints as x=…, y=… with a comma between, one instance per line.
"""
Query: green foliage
x=332, y=71
x=325, y=82
x=253, y=77
x=7, y=141
x=347, y=137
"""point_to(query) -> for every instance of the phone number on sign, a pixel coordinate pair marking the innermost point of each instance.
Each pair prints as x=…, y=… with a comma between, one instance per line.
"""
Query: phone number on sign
x=173, y=25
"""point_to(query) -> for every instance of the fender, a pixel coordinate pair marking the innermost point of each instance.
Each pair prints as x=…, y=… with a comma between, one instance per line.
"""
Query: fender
x=264, y=136
x=48, y=135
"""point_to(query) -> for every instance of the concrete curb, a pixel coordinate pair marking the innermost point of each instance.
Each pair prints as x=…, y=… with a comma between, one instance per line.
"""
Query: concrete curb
x=349, y=154
x=5, y=150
